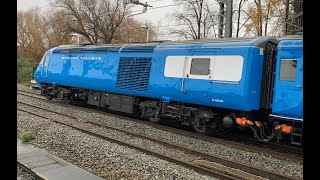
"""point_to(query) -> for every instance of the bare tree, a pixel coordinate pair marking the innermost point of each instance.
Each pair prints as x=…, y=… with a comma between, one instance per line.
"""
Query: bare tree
x=273, y=7
x=29, y=36
x=211, y=19
x=259, y=17
x=132, y=31
x=56, y=32
x=37, y=32
x=97, y=20
x=238, y=18
x=260, y=13
x=197, y=18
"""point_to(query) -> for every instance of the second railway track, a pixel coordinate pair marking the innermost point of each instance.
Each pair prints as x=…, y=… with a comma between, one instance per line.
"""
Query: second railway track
x=205, y=164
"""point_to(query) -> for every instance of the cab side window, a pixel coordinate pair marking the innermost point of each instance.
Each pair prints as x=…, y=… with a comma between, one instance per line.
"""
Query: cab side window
x=46, y=61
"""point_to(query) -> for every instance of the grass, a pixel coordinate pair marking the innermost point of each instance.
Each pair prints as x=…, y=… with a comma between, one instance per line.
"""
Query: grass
x=108, y=175
x=26, y=136
x=102, y=174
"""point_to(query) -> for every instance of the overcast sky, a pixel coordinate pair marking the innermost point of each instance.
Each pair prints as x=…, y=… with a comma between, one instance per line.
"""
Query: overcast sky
x=153, y=15
x=26, y=4
x=158, y=17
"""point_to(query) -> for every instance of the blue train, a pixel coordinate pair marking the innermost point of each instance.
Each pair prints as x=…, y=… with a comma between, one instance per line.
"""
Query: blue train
x=220, y=85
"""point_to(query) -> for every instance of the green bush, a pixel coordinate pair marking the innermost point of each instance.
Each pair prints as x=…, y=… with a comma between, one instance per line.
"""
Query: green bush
x=24, y=71
x=102, y=174
x=108, y=175
x=26, y=136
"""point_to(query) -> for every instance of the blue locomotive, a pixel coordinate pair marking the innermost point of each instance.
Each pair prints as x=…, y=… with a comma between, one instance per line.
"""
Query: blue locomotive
x=218, y=85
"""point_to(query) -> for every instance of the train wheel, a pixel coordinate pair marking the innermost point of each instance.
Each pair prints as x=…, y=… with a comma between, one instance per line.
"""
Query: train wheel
x=201, y=127
x=67, y=100
x=201, y=121
x=49, y=97
x=154, y=119
x=153, y=115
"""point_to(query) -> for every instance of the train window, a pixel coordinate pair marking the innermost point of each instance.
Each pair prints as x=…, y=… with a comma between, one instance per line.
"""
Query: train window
x=288, y=69
x=46, y=61
x=200, y=66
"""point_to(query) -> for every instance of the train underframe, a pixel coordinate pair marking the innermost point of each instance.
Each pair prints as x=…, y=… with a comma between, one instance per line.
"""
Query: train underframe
x=202, y=119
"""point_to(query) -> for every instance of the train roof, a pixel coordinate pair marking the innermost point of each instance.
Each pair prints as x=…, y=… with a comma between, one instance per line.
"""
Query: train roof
x=259, y=41
x=298, y=36
x=106, y=47
x=291, y=41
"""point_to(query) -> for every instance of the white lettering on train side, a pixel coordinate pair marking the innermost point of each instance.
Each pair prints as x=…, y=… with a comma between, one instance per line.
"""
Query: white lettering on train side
x=217, y=100
x=81, y=58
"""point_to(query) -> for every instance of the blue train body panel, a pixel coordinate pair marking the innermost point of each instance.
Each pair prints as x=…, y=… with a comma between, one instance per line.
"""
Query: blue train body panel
x=76, y=70
x=146, y=71
x=242, y=95
x=288, y=88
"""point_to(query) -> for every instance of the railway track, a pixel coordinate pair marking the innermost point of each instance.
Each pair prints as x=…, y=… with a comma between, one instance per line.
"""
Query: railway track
x=206, y=164
x=295, y=154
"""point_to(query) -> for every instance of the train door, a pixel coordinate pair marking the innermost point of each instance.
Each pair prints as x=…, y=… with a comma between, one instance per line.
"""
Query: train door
x=288, y=95
x=196, y=80
x=44, y=71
